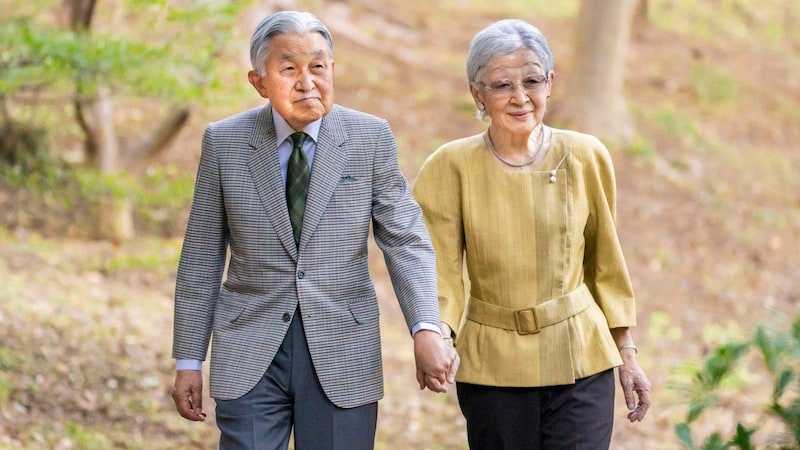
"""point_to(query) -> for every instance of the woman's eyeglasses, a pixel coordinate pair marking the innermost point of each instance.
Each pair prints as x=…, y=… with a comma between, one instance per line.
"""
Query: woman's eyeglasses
x=506, y=88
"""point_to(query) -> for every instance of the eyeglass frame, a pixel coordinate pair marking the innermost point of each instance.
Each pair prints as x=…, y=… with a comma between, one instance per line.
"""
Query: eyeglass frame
x=514, y=86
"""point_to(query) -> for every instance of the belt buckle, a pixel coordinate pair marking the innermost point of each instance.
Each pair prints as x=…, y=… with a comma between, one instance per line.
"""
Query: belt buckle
x=526, y=321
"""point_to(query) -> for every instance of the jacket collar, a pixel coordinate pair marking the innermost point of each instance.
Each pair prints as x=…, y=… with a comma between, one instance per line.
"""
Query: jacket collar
x=330, y=160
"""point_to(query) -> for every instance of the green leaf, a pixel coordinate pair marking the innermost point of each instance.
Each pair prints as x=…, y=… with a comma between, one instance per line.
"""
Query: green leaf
x=743, y=437
x=178, y=61
x=714, y=442
x=684, y=434
x=783, y=380
x=721, y=363
x=694, y=412
x=796, y=329
x=772, y=346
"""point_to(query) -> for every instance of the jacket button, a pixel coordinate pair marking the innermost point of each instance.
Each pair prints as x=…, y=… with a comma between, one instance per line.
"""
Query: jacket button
x=301, y=274
x=287, y=317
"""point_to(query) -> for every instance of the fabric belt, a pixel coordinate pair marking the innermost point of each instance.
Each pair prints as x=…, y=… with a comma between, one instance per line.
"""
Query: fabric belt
x=530, y=320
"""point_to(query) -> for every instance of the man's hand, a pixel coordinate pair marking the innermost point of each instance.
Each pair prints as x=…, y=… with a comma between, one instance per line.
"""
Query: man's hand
x=188, y=394
x=437, y=361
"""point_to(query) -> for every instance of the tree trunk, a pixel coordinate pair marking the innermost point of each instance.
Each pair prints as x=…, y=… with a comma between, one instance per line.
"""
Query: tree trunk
x=594, y=101
x=116, y=214
x=80, y=14
x=95, y=115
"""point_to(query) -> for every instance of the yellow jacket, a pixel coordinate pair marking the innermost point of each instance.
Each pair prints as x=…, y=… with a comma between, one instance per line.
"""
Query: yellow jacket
x=545, y=275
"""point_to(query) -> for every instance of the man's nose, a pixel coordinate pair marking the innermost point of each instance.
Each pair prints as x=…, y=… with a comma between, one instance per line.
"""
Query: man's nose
x=305, y=82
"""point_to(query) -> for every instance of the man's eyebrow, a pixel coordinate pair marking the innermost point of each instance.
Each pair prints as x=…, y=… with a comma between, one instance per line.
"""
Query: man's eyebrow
x=316, y=54
x=320, y=54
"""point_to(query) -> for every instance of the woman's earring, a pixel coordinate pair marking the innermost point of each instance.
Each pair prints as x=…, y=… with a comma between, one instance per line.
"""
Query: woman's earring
x=481, y=106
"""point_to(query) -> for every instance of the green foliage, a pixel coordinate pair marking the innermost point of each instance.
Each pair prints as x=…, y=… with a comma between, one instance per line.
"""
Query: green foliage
x=762, y=22
x=164, y=260
x=73, y=194
x=86, y=438
x=533, y=10
x=715, y=89
x=662, y=326
x=778, y=351
x=679, y=125
x=22, y=145
x=150, y=63
x=640, y=146
x=162, y=52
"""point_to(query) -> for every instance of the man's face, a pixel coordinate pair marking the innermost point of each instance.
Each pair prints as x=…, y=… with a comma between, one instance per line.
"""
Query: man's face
x=298, y=78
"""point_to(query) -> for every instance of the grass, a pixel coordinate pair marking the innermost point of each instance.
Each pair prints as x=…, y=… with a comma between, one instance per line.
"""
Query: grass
x=679, y=125
x=763, y=22
x=715, y=89
x=79, y=342
x=85, y=359
x=533, y=10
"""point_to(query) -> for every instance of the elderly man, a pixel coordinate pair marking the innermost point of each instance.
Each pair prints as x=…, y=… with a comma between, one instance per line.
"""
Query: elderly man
x=290, y=190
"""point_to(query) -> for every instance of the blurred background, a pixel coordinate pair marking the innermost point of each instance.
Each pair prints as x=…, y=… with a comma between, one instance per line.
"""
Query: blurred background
x=103, y=104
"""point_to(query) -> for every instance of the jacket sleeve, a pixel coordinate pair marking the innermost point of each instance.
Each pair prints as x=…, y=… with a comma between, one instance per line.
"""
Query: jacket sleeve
x=202, y=259
x=437, y=189
x=605, y=271
x=400, y=232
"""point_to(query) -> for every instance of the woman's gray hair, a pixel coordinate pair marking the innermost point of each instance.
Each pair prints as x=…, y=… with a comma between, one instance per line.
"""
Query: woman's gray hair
x=281, y=23
x=502, y=38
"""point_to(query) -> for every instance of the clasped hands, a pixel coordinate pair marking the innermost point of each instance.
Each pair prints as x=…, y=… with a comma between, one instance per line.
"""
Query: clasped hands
x=436, y=358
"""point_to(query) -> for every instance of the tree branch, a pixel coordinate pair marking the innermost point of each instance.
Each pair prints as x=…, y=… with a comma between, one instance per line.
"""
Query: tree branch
x=157, y=140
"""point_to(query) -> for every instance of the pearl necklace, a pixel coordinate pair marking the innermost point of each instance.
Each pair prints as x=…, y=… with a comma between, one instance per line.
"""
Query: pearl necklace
x=490, y=144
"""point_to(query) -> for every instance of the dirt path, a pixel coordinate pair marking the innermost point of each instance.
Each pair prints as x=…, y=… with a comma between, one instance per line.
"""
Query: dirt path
x=85, y=356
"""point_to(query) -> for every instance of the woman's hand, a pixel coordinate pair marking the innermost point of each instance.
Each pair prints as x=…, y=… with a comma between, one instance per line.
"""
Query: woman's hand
x=634, y=384
x=437, y=361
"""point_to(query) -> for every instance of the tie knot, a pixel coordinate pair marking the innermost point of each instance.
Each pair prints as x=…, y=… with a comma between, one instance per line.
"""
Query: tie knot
x=298, y=139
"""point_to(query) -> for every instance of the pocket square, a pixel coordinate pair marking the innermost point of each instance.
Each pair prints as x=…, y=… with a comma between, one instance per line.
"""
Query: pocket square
x=348, y=178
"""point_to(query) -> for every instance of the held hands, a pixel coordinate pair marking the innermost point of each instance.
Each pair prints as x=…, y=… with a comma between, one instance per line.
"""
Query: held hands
x=633, y=380
x=188, y=394
x=437, y=360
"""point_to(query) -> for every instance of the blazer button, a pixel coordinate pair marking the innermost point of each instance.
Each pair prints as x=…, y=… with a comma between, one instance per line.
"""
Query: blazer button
x=301, y=274
x=287, y=317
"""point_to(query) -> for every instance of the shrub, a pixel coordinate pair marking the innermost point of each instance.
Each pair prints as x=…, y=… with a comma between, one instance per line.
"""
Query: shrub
x=779, y=353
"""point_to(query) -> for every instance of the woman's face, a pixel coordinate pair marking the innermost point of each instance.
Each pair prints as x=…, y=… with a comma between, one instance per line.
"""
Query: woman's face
x=514, y=88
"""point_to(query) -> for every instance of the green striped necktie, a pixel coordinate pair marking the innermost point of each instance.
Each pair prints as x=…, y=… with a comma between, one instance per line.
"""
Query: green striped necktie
x=297, y=175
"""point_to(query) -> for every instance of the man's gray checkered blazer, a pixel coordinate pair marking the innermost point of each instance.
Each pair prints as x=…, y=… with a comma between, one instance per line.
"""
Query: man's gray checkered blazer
x=239, y=207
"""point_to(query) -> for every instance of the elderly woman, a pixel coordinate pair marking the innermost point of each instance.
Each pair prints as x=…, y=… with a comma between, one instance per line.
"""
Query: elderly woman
x=530, y=210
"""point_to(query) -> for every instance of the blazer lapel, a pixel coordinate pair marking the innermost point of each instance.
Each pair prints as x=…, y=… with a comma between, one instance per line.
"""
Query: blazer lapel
x=330, y=159
x=266, y=172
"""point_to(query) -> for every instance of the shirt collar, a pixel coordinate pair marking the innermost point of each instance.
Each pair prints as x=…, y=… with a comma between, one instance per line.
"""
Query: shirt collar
x=283, y=130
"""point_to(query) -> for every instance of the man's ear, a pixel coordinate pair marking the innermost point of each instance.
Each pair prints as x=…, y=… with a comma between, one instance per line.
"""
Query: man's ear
x=255, y=79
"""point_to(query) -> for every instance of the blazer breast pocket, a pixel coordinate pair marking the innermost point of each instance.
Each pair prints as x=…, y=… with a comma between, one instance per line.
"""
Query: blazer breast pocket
x=353, y=191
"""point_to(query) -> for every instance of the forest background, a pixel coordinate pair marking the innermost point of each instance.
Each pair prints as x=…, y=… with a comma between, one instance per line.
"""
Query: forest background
x=708, y=204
